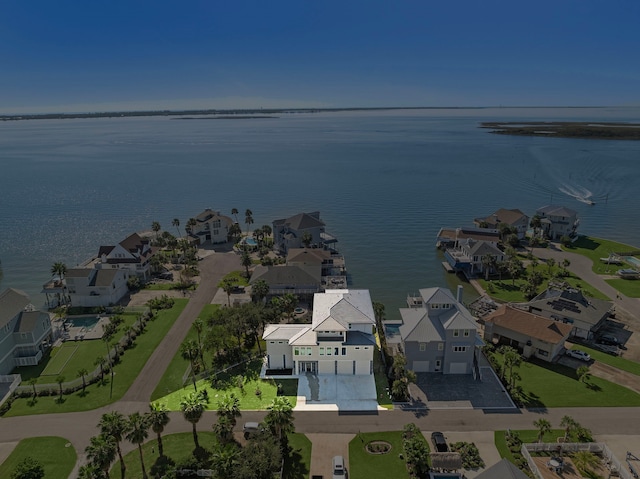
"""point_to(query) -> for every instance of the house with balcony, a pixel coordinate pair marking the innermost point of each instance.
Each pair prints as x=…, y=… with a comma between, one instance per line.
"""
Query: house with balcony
x=468, y=256
x=452, y=237
x=211, y=227
x=436, y=333
x=531, y=335
x=25, y=333
x=91, y=287
x=558, y=221
x=303, y=281
x=132, y=255
x=290, y=232
x=339, y=340
x=511, y=217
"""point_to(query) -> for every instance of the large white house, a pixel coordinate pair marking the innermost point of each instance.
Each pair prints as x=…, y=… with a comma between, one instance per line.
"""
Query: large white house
x=339, y=339
x=91, y=287
x=558, y=221
x=25, y=332
x=212, y=227
x=133, y=254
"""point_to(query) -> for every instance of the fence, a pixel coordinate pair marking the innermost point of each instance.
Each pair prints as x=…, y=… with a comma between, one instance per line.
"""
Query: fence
x=13, y=380
x=186, y=377
x=598, y=448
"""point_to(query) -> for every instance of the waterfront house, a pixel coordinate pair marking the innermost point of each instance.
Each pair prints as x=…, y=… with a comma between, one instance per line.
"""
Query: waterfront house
x=132, y=255
x=211, y=227
x=530, y=334
x=436, y=334
x=469, y=256
x=558, y=221
x=339, y=339
x=92, y=287
x=450, y=237
x=299, y=280
x=570, y=306
x=289, y=232
x=513, y=218
x=25, y=333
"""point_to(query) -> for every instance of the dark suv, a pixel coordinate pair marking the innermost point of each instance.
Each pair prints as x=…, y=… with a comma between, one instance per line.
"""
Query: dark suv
x=608, y=339
x=439, y=442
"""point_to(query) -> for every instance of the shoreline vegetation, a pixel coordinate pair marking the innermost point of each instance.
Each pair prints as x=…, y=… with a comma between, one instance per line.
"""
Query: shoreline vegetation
x=561, y=129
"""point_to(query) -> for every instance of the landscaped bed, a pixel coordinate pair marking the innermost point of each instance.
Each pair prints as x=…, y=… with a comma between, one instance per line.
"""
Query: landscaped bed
x=364, y=465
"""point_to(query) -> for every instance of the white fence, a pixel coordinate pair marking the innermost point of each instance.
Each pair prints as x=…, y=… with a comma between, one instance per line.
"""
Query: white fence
x=598, y=448
x=13, y=380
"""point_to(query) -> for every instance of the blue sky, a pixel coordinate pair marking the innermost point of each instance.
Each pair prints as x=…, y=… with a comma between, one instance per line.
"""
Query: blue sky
x=137, y=54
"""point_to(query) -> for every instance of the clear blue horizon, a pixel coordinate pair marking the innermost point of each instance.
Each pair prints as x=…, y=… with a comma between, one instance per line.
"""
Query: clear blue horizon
x=75, y=56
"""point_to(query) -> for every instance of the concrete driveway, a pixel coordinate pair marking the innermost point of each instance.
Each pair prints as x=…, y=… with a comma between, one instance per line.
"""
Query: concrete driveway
x=331, y=392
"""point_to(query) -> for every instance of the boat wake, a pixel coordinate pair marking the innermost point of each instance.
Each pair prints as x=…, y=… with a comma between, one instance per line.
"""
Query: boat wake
x=579, y=193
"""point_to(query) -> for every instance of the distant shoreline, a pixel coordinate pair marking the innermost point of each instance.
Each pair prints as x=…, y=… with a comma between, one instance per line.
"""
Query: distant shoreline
x=586, y=130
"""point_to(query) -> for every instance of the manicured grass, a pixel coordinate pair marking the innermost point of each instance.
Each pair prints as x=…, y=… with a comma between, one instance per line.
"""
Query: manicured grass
x=363, y=465
x=176, y=446
x=59, y=358
x=159, y=286
x=298, y=464
x=57, y=459
x=628, y=287
x=237, y=277
x=616, y=361
x=249, y=400
x=131, y=363
x=527, y=436
x=554, y=385
x=596, y=248
x=382, y=383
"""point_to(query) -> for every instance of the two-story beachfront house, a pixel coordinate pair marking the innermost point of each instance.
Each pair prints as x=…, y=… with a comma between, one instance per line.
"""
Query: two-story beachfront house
x=211, y=227
x=92, y=287
x=290, y=232
x=25, y=333
x=469, y=257
x=558, y=221
x=510, y=217
x=133, y=255
x=437, y=333
x=339, y=339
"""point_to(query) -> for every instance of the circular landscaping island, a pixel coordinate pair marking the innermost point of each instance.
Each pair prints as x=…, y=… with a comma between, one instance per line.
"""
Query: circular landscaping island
x=378, y=447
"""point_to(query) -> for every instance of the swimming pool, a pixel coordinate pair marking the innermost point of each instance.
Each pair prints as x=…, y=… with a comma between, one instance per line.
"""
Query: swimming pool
x=632, y=261
x=250, y=241
x=86, y=322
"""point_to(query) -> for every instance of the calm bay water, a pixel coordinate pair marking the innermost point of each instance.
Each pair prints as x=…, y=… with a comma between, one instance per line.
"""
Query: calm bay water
x=385, y=182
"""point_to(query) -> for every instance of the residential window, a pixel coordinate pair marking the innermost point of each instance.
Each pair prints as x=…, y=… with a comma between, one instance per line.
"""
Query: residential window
x=272, y=342
x=336, y=351
x=321, y=351
x=423, y=346
x=296, y=351
x=308, y=351
x=466, y=332
x=456, y=333
x=459, y=349
x=438, y=364
x=328, y=351
x=216, y=232
x=440, y=346
x=435, y=306
x=542, y=352
x=344, y=351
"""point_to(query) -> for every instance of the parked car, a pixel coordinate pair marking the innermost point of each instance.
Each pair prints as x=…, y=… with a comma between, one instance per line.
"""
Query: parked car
x=576, y=353
x=439, y=442
x=250, y=428
x=338, y=468
x=608, y=339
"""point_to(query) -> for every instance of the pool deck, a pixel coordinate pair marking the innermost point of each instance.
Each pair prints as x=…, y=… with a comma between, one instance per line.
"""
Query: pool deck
x=81, y=333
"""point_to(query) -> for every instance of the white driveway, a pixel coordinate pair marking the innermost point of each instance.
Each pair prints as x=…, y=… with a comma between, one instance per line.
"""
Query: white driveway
x=331, y=392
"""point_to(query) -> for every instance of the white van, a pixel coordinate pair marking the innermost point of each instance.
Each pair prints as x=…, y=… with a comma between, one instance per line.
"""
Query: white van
x=339, y=471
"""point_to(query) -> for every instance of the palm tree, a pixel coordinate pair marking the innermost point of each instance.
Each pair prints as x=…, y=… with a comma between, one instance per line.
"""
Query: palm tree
x=60, y=379
x=59, y=269
x=176, y=223
x=115, y=425
x=101, y=451
x=248, y=219
x=536, y=224
x=190, y=351
x=584, y=461
x=190, y=225
x=32, y=382
x=234, y=231
x=192, y=407
x=543, y=427
x=227, y=285
x=259, y=290
x=155, y=226
x=488, y=260
x=306, y=239
x=583, y=374
x=550, y=264
x=234, y=212
x=225, y=459
x=101, y=361
x=228, y=411
x=280, y=418
x=198, y=325
x=245, y=260
x=569, y=424
x=138, y=433
x=82, y=372
x=266, y=230
x=158, y=419
x=90, y=471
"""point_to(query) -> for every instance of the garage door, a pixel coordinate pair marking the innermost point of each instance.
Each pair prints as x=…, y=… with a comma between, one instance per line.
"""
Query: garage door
x=345, y=367
x=363, y=367
x=420, y=366
x=458, y=368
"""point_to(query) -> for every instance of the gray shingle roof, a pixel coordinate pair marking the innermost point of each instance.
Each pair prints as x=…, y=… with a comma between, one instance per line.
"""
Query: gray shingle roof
x=12, y=302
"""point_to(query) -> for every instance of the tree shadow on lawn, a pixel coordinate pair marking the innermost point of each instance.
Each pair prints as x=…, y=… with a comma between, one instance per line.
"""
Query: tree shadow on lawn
x=584, y=242
x=294, y=467
x=506, y=286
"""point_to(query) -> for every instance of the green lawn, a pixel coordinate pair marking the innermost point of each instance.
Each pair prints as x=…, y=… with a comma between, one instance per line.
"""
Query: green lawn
x=554, y=385
x=596, y=248
x=97, y=395
x=382, y=383
x=180, y=446
x=616, y=361
x=527, y=436
x=363, y=465
x=56, y=457
x=628, y=287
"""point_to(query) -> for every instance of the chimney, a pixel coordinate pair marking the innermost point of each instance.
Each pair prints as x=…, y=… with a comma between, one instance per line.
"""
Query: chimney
x=459, y=295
